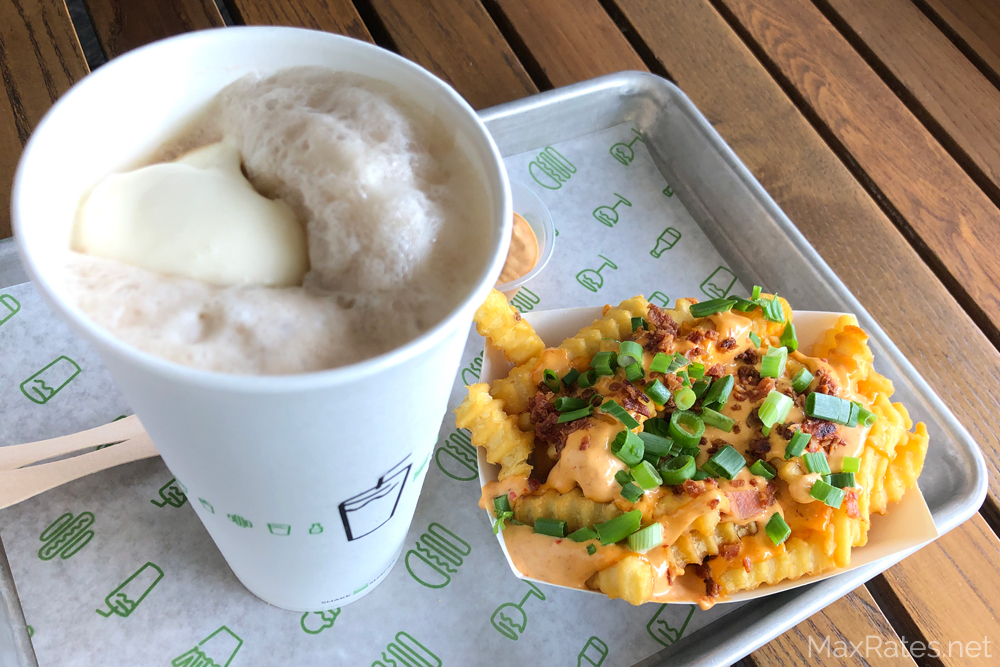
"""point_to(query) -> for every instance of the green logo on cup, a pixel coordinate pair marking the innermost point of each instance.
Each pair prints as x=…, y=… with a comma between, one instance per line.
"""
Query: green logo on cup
x=280, y=529
x=124, y=599
x=315, y=529
x=66, y=536
x=170, y=494
x=240, y=521
x=207, y=505
x=45, y=384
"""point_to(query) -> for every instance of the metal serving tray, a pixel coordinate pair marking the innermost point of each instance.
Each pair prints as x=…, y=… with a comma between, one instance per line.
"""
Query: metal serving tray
x=762, y=246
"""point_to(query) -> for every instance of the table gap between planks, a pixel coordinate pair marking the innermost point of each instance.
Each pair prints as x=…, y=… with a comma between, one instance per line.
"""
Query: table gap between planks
x=880, y=115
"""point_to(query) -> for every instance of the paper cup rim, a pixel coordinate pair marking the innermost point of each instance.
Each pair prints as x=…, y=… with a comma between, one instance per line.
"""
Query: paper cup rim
x=497, y=181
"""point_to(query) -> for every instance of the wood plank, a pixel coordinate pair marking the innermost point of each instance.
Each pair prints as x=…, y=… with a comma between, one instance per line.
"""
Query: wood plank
x=458, y=41
x=831, y=637
x=950, y=590
x=40, y=58
x=571, y=40
x=122, y=25
x=938, y=76
x=977, y=22
x=338, y=16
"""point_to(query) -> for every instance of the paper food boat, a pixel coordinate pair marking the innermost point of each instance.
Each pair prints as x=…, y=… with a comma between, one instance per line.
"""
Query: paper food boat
x=907, y=525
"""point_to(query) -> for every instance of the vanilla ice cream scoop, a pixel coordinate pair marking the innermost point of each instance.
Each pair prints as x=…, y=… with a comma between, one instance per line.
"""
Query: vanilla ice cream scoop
x=198, y=217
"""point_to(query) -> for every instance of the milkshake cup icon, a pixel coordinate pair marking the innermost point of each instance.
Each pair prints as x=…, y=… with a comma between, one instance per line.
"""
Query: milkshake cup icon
x=216, y=650
x=438, y=555
x=608, y=215
x=665, y=241
x=9, y=307
x=718, y=284
x=315, y=622
x=551, y=169
x=66, y=536
x=46, y=383
x=592, y=278
x=593, y=653
x=662, y=631
x=456, y=457
x=623, y=152
x=510, y=619
x=369, y=510
x=124, y=599
x=280, y=529
x=170, y=494
x=406, y=651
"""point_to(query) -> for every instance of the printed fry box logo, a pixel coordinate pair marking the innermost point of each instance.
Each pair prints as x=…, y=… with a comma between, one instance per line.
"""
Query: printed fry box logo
x=65, y=536
x=45, y=384
x=216, y=650
x=368, y=511
x=124, y=599
x=406, y=651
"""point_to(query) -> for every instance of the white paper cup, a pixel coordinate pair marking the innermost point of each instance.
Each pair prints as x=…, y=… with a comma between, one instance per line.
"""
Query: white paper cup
x=307, y=483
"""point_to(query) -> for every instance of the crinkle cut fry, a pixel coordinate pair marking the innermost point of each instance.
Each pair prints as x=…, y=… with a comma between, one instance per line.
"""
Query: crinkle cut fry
x=495, y=431
x=503, y=325
x=573, y=508
x=798, y=559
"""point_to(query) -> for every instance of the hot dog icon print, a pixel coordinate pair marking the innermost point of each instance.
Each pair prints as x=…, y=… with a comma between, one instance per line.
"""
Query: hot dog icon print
x=369, y=510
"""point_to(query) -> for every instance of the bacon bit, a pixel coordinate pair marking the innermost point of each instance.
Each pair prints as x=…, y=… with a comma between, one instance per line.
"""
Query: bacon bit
x=763, y=388
x=715, y=371
x=694, y=352
x=827, y=385
x=703, y=441
x=673, y=382
x=712, y=334
x=717, y=444
x=704, y=572
x=615, y=386
x=533, y=484
x=820, y=428
x=659, y=341
x=710, y=481
x=748, y=356
x=767, y=495
x=692, y=488
x=713, y=503
x=851, y=503
x=737, y=483
x=739, y=394
x=746, y=564
x=759, y=448
x=736, y=407
x=745, y=504
x=727, y=343
x=545, y=418
x=696, y=336
x=584, y=442
x=786, y=431
x=661, y=320
x=729, y=551
x=748, y=376
x=736, y=428
x=633, y=399
x=753, y=419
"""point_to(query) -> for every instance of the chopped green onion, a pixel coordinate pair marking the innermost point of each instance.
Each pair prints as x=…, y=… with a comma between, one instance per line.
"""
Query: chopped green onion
x=645, y=475
x=801, y=380
x=827, y=494
x=591, y=549
x=743, y=305
x=717, y=419
x=604, y=363
x=654, y=459
x=587, y=379
x=797, y=444
x=567, y=403
x=551, y=380
x=866, y=418
x=852, y=420
x=619, y=528
x=816, y=462
x=628, y=447
x=678, y=469
x=772, y=309
x=622, y=477
x=700, y=387
x=583, y=534
x=639, y=323
x=697, y=371
x=501, y=504
x=755, y=293
x=788, y=338
x=629, y=352
x=690, y=450
x=841, y=480
x=573, y=415
x=686, y=428
x=499, y=525
x=727, y=462
x=570, y=377
x=831, y=408
x=773, y=363
x=700, y=475
x=755, y=339
x=683, y=375
x=656, y=426
x=660, y=363
x=774, y=409
x=684, y=398
x=618, y=412
x=777, y=529
x=852, y=464
x=763, y=469
x=718, y=393
x=633, y=372
x=656, y=444
x=658, y=392
x=596, y=400
x=766, y=430
x=678, y=362
x=711, y=307
x=552, y=527
x=631, y=492
x=648, y=538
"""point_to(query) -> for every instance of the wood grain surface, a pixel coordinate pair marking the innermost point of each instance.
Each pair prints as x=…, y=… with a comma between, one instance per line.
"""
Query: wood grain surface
x=458, y=41
x=844, y=635
x=122, y=25
x=976, y=22
x=338, y=16
x=948, y=88
x=40, y=58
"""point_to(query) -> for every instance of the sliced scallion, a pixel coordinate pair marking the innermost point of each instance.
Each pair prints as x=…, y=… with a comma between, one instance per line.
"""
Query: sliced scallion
x=755, y=292
x=633, y=372
x=841, y=480
x=727, y=462
x=619, y=528
x=551, y=527
x=622, y=477
x=567, y=403
x=830, y=408
x=816, y=462
x=570, y=377
x=573, y=415
x=678, y=362
x=628, y=447
x=591, y=549
x=587, y=379
x=711, y=307
x=551, y=380
x=660, y=363
x=718, y=393
x=773, y=363
x=686, y=428
x=612, y=407
x=639, y=323
x=684, y=398
x=777, y=529
x=851, y=464
x=717, y=419
x=755, y=339
x=656, y=444
x=827, y=494
x=763, y=469
x=774, y=409
x=700, y=387
x=647, y=538
x=631, y=492
x=629, y=352
x=658, y=392
x=801, y=380
x=788, y=338
x=678, y=469
x=604, y=363
x=645, y=476
x=797, y=444
x=583, y=534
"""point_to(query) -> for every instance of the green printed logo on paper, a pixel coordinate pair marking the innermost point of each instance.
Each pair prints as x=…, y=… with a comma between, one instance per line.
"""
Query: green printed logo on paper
x=315, y=622
x=551, y=169
x=46, y=383
x=279, y=529
x=510, y=619
x=315, y=529
x=438, y=555
x=31, y=632
x=207, y=505
x=405, y=651
x=66, y=536
x=525, y=300
x=718, y=284
x=216, y=650
x=124, y=599
x=608, y=215
x=668, y=191
x=473, y=370
x=623, y=152
x=660, y=299
x=9, y=307
x=456, y=457
x=660, y=629
x=240, y=521
x=592, y=278
x=593, y=653
x=170, y=494
x=116, y=442
x=665, y=241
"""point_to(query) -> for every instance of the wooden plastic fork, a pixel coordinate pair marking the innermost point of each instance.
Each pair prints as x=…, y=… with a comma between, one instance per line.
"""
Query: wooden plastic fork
x=17, y=483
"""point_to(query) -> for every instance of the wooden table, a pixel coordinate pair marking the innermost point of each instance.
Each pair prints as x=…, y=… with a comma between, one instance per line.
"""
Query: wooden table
x=875, y=125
